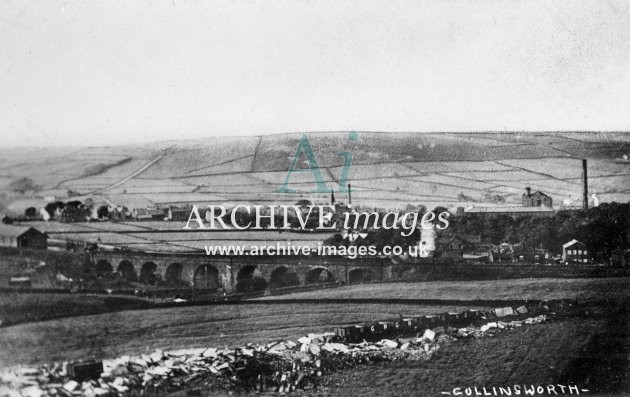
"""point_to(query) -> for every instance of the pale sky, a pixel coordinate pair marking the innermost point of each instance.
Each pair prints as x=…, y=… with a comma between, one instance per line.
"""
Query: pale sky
x=113, y=72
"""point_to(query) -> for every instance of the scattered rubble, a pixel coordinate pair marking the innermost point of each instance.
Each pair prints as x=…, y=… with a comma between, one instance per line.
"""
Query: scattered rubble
x=282, y=366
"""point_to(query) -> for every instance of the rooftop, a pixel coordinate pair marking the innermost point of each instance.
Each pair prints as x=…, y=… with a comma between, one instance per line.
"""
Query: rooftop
x=14, y=231
x=511, y=210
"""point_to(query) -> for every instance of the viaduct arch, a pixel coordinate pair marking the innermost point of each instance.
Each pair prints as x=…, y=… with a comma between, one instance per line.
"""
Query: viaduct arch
x=237, y=273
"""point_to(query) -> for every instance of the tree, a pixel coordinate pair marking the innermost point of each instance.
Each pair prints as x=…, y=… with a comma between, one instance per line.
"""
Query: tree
x=51, y=208
x=437, y=211
x=336, y=240
x=30, y=212
x=74, y=203
x=102, y=212
x=303, y=203
x=409, y=208
x=603, y=229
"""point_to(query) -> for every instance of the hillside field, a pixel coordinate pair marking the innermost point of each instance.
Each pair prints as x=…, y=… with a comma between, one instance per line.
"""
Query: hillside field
x=388, y=170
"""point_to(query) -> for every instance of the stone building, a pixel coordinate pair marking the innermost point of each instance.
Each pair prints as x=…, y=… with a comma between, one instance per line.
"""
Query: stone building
x=536, y=199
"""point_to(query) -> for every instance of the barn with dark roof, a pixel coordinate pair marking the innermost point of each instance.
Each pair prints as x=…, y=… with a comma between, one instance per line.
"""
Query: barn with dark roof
x=22, y=237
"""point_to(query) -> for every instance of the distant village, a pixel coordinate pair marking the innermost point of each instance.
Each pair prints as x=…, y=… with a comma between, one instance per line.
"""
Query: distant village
x=455, y=243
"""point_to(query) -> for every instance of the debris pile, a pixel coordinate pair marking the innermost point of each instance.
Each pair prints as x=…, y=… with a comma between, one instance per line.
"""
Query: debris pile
x=275, y=367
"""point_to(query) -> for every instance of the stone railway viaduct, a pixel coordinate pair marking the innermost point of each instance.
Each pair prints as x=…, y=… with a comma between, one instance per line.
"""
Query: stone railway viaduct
x=215, y=273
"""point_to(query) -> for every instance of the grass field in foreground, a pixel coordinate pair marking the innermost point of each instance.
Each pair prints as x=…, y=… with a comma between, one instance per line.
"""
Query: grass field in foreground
x=542, y=288
x=111, y=335
x=26, y=307
x=536, y=354
x=20, y=307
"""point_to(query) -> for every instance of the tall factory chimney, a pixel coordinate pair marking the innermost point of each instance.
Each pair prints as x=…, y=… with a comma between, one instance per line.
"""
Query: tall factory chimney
x=349, y=194
x=585, y=187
